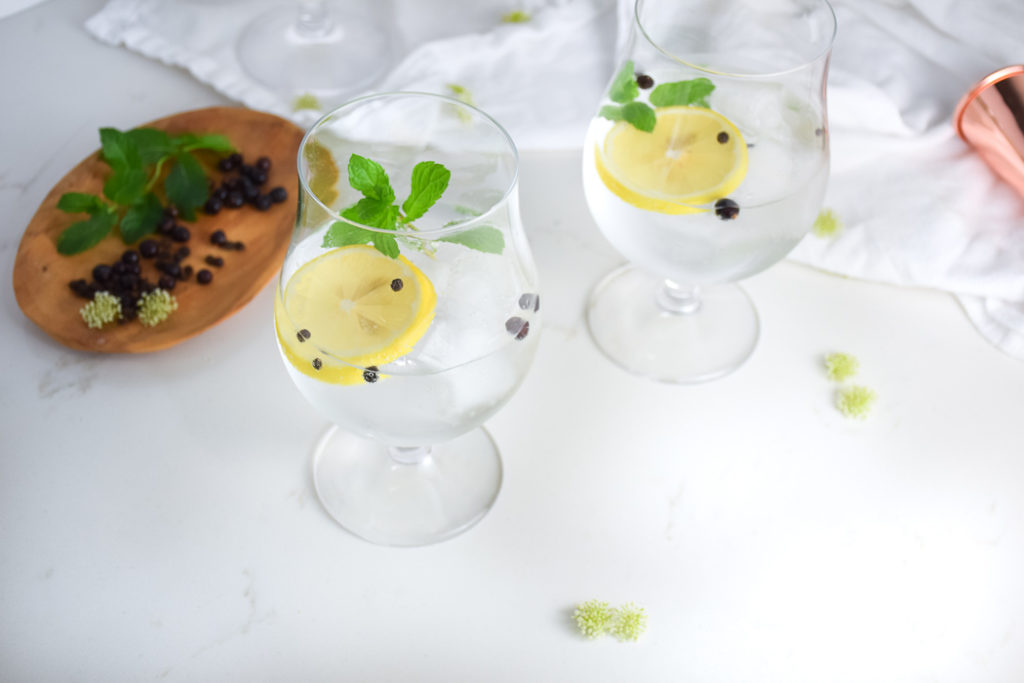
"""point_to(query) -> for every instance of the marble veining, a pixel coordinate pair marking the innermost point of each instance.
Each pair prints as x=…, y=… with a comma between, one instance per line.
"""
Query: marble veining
x=71, y=374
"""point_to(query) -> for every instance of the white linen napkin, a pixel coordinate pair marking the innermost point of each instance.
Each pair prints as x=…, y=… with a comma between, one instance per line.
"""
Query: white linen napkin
x=918, y=207
x=539, y=77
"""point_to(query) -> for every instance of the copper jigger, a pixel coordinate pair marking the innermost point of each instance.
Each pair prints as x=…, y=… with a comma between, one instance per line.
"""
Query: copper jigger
x=991, y=118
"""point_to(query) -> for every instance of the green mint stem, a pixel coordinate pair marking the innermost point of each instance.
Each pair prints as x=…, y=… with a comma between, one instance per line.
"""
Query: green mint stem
x=156, y=173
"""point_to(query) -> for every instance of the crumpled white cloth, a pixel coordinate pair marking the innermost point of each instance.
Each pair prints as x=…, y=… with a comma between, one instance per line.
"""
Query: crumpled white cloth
x=919, y=208
x=540, y=78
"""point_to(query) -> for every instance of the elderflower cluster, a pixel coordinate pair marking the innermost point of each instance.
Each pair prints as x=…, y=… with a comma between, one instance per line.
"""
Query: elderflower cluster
x=629, y=622
x=104, y=308
x=852, y=400
x=515, y=17
x=595, y=618
x=855, y=401
x=156, y=306
x=841, y=366
x=827, y=224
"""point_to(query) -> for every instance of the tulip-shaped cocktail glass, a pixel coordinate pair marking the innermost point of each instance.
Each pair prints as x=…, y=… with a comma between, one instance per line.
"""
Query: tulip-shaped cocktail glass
x=706, y=162
x=408, y=310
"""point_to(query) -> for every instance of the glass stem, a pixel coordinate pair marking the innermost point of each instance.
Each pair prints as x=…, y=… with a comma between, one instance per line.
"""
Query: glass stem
x=677, y=299
x=314, y=20
x=409, y=455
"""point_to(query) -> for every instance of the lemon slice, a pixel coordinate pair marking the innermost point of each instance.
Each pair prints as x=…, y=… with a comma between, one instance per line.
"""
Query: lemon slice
x=323, y=172
x=692, y=157
x=351, y=308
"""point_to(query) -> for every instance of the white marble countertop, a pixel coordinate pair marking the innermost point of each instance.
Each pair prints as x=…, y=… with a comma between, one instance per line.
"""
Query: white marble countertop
x=158, y=522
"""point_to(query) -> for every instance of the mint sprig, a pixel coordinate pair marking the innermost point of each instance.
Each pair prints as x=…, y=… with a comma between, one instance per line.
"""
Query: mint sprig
x=429, y=181
x=637, y=114
x=370, y=178
x=485, y=238
x=624, y=90
x=85, y=234
x=186, y=185
x=694, y=93
x=137, y=159
x=140, y=218
x=378, y=209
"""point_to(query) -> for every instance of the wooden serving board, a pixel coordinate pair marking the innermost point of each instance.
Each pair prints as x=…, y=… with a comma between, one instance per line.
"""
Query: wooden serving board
x=41, y=275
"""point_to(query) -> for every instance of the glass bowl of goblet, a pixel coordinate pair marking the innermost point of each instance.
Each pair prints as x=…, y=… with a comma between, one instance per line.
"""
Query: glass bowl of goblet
x=407, y=310
x=706, y=162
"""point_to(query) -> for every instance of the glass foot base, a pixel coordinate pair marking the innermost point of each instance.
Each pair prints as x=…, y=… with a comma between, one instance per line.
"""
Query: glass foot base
x=406, y=497
x=703, y=341
x=337, y=54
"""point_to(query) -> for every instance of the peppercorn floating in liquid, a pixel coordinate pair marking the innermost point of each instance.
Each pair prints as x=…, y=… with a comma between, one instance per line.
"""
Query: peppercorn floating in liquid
x=517, y=327
x=528, y=301
x=727, y=209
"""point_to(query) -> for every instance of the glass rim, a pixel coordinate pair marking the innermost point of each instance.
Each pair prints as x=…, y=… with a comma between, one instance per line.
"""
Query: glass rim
x=405, y=231
x=765, y=74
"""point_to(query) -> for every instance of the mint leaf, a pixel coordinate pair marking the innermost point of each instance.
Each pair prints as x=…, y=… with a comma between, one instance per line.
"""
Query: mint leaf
x=342, y=234
x=125, y=185
x=640, y=116
x=372, y=212
x=80, y=202
x=85, y=234
x=485, y=238
x=141, y=218
x=637, y=114
x=386, y=244
x=624, y=88
x=187, y=142
x=118, y=149
x=612, y=112
x=153, y=144
x=683, y=93
x=186, y=185
x=370, y=179
x=429, y=181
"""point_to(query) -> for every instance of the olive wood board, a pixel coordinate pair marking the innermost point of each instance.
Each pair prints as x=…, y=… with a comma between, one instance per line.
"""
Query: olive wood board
x=42, y=275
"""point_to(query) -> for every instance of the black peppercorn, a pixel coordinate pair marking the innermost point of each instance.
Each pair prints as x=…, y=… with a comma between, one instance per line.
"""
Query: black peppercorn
x=727, y=209
x=370, y=374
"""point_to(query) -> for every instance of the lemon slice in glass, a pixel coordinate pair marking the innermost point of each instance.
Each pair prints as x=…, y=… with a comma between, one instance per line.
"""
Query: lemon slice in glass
x=323, y=172
x=352, y=308
x=693, y=156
